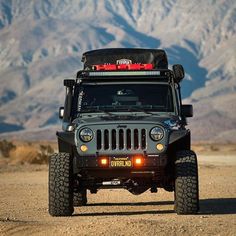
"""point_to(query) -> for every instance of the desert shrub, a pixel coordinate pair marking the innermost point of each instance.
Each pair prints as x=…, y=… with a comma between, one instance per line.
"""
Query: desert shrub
x=42, y=157
x=6, y=147
x=214, y=148
x=31, y=154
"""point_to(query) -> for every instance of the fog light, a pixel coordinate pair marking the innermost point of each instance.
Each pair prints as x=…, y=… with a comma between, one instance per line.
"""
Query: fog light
x=83, y=148
x=103, y=161
x=138, y=161
x=160, y=147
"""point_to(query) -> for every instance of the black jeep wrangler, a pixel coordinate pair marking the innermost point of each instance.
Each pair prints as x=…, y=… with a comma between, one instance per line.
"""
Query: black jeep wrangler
x=123, y=127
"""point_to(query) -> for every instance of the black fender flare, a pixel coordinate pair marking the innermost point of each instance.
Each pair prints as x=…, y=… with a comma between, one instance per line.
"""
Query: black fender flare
x=66, y=141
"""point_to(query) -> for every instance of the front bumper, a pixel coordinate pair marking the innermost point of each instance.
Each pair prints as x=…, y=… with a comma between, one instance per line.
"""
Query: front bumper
x=87, y=162
x=90, y=165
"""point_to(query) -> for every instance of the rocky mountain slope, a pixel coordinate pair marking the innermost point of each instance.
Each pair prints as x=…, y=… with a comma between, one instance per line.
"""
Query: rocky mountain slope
x=41, y=43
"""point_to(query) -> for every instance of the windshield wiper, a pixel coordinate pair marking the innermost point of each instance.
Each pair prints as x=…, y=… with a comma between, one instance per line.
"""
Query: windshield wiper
x=119, y=108
x=96, y=109
x=139, y=109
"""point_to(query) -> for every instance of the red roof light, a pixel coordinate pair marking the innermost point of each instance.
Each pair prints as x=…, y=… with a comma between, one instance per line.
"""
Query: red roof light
x=123, y=67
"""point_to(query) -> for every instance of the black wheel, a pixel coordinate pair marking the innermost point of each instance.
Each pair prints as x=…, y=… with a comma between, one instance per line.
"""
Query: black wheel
x=80, y=198
x=186, y=183
x=60, y=185
x=178, y=72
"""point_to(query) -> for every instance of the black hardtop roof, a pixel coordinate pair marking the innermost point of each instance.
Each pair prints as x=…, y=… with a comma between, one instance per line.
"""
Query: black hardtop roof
x=157, y=57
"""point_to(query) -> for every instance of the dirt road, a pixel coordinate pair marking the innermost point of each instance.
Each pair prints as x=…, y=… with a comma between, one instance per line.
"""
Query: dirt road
x=23, y=206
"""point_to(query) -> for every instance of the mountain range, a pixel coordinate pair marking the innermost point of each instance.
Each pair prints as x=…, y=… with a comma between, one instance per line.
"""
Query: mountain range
x=41, y=43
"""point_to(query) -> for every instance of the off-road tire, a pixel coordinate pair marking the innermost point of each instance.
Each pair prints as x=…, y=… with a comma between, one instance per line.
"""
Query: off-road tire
x=178, y=72
x=60, y=185
x=80, y=198
x=186, y=183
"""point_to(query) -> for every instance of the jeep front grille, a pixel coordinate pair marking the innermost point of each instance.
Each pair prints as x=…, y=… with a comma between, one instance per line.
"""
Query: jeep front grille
x=121, y=139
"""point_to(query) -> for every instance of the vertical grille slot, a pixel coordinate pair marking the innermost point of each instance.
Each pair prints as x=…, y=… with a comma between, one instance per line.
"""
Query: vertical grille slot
x=143, y=139
x=121, y=139
x=106, y=139
x=128, y=138
x=113, y=139
x=136, y=142
x=99, y=140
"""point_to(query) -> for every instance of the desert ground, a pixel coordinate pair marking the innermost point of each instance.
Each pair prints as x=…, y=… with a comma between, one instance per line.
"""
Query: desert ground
x=24, y=200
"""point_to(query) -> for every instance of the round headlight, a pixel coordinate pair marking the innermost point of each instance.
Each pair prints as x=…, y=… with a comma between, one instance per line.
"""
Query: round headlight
x=86, y=135
x=156, y=133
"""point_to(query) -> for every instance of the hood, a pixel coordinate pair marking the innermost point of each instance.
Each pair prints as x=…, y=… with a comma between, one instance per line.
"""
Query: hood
x=165, y=120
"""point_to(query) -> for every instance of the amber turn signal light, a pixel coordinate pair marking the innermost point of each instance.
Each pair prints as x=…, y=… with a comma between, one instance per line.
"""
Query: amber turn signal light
x=83, y=148
x=160, y=147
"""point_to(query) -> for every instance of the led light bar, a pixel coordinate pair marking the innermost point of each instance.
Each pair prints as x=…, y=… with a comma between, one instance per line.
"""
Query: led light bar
x=123, y=73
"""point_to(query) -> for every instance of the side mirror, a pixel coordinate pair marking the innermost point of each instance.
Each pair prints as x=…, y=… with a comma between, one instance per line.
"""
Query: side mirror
x=187, y=110
x=61, y=112
x=69, y=83
x=178, y=73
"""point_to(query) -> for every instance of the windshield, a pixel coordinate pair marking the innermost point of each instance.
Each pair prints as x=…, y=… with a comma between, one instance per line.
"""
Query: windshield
x=125, y=97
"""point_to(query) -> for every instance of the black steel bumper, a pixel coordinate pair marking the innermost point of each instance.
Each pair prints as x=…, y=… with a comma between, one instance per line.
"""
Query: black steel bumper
x=152, y=165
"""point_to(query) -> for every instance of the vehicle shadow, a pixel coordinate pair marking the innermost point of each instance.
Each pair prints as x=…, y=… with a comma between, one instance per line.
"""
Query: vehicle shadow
x=132, y=203
x=217, y=206
x=128, y=213
x=125, y=213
